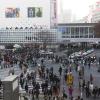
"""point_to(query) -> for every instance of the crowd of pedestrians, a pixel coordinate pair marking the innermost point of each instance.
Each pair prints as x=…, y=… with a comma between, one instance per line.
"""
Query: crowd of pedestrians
x=86, y=88
x=50, y=86
x=50, y=81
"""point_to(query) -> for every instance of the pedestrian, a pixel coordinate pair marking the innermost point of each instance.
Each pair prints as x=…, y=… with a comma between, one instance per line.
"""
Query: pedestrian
x=50, y=93
x=91, y=88
x=98, y=91
x=51, y=70
x=89, y=64
x=65, y=76
x=21, y=82
x=60, y=70
x=64, y=94
x=70, y=89
x=0, y=83
x=91, y=78
x=83, y=85
x=47, y=72
x=26, y=88
x=25, y=98
x=79, y=69
x=87, y=91
x=78, y=98
x=95, y=91
x=82, y=71
x=33, y=94
x=37, y=94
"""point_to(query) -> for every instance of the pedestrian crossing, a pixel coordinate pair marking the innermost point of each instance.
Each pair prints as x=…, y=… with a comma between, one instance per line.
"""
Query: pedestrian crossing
x=30, y=86
x=1, y=93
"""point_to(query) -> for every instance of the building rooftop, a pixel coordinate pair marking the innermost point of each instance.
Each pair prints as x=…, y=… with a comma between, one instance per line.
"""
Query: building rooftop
x=10, y=78
x=70, y=24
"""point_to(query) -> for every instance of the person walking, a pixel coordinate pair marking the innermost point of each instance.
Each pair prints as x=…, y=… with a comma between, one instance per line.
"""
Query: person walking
x=26, y=88
x=87, y=91
x=25, y=98
x=89, y=64
x=91, y=78
x=60, y=70
x=64, y=95
x=95, y=91
x=91, y=86
x=70, y=90
x=0, y=83
x=33, y=92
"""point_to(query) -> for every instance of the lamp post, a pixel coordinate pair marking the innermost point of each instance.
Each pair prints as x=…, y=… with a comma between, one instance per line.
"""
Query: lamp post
x=99, y=65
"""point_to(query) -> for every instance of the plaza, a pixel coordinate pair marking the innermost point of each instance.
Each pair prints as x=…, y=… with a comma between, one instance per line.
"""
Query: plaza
x=42, y=59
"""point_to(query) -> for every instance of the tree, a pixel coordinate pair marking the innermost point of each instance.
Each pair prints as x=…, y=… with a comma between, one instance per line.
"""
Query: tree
x=97, y=30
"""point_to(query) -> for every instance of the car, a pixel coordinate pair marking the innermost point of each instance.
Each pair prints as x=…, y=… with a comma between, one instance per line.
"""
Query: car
x=90, y=51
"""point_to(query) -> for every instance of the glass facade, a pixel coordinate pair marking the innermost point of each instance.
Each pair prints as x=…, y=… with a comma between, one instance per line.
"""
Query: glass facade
x=31, y=35
x=28, y=35
x=76, y=31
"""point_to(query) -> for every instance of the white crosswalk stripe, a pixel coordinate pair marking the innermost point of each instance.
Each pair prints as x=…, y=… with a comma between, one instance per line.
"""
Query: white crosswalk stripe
x=30, y=87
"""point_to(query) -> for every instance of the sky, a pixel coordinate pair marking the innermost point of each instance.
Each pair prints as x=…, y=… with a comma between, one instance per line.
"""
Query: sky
x=79, y=7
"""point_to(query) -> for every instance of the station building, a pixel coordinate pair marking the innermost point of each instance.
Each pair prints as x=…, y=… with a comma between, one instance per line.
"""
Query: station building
x=77, y=32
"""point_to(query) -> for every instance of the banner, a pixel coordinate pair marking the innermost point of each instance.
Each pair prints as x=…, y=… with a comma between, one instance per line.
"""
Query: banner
x=35, y=12
x=12, y=12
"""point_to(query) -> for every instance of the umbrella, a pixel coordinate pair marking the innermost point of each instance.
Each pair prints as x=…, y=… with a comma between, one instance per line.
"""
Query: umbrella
x=17, y=46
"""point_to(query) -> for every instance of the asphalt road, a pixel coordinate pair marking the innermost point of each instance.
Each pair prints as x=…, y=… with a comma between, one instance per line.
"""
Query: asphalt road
x=93, y=70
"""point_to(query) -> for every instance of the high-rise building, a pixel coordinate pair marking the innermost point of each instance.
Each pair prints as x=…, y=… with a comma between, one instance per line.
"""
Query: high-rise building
x=96, y=13
x=67, y=16
x=60, y=11
x=83, y=20
x=64, y=15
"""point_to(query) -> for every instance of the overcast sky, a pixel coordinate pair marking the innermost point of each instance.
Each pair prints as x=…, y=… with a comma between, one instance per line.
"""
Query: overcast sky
x=79, y=7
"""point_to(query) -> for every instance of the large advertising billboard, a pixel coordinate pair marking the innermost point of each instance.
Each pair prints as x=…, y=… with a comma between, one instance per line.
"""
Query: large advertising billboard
x=12, y=12
x=31, y=12
x=38, y=11
x=19, y=13
x=35, y=12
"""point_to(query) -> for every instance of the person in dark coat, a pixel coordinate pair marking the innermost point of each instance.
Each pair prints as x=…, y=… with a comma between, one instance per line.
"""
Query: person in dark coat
x=26, y=88
x=25, y=98
x=98, y=91
x=60, y=70
x=87, y=91
x=33, y=94
x=95, y=91
x=64, y=95
x=21, y=82
x=0, y=83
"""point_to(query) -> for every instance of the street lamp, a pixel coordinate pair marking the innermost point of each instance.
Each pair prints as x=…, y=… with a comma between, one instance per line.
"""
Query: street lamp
x=99, y=65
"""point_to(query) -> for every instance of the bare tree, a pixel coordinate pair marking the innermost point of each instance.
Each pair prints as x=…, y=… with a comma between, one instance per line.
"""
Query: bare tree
x=97, y=30
x=45, y=37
